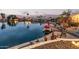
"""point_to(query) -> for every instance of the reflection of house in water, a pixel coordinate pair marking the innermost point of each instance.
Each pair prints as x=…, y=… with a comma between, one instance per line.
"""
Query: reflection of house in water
x=12, y=20
x=28, y=20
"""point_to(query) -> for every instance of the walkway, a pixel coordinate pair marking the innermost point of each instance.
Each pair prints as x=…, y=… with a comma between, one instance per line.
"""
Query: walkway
x=70, y=37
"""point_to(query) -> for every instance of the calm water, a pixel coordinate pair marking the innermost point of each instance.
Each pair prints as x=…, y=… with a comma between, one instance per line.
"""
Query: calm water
x=15, y=35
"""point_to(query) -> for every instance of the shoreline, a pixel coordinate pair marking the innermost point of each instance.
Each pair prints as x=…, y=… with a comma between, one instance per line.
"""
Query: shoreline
x=28, y=43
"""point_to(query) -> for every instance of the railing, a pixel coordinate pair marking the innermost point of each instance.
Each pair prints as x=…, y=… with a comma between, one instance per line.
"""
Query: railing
x=49, y=41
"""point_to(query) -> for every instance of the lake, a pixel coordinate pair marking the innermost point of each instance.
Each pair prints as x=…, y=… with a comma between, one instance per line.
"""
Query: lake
x=15, y=35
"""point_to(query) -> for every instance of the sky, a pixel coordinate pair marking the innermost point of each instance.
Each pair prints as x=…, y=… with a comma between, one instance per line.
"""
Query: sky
x=34, y=11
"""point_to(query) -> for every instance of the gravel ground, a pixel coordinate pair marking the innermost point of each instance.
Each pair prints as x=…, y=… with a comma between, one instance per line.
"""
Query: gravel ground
x=58, y=45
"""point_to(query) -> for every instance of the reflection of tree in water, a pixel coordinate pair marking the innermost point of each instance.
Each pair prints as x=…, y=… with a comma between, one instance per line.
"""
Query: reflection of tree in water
x=11, y=20
x=3, y=26
x=27, y=26
x=27, y=21
x=40, y=19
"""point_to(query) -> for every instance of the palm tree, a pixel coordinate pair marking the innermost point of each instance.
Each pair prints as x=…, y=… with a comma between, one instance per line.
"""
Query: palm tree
x=64, y=17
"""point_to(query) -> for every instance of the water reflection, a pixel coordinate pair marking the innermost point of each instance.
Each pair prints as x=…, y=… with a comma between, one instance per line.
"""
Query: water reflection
x=3, y=26
x=27, y=21
x=12, y=20
x=19, y=34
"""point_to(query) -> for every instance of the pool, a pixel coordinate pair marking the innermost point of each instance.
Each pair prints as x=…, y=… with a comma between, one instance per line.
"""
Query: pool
x=15, y=35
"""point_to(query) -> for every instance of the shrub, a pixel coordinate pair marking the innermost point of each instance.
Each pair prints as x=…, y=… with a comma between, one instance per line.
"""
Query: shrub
x=73, y=24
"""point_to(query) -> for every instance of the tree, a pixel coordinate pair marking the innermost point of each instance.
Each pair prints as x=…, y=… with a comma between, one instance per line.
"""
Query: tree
x=3, y=16
x=64, y=17
x=3, y=20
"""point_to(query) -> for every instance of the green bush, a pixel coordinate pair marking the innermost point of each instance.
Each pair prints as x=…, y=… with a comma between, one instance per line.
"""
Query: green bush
x=73, y=24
